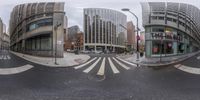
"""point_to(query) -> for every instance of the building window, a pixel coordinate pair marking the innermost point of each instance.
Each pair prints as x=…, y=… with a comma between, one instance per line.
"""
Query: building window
x=45, y=43
x=154, y=17
x=40, y=8
x=169, y=19
x=50, y=7
x=161, y=18
x=39, y=23
x=158, y=29
x=39, y=43
x=174, y=20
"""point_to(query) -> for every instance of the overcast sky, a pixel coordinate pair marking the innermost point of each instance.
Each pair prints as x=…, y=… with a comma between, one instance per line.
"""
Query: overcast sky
x=74, y=8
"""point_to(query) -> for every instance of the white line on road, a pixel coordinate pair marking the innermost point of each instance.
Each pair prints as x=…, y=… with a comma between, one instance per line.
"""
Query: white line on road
x=8, y=57
x=198, y=57
x=80, y=66
x=8, y=71
x=92, y=66
x=4, y=57
x=124, y=66
x=114, y=69
x=127, y=62
x=102, y=68
x=188, y=69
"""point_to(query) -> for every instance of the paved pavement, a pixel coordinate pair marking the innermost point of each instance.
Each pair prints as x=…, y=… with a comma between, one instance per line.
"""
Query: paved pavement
x=141, y=83
x=163, y=61
x=69, y=59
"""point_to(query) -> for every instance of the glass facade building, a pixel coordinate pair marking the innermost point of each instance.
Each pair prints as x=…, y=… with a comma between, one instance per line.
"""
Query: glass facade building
x=32, y=28
x=103, y=30
x=171, y=29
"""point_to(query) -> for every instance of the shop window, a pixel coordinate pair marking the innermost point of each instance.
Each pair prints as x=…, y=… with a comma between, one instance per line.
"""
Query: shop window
x=169, y=47
x=45, y=43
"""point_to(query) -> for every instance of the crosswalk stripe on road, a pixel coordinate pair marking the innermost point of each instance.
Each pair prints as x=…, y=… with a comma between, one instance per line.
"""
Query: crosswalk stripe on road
x=114, y=69
x=92, y=66
x=102, y=68
x=80, y=66
x=126, y=62
x=124, y=66
x=102, y=64
x=5, y=57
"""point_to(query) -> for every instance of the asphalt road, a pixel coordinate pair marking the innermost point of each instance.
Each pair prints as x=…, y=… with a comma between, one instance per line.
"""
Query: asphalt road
x=141, y=83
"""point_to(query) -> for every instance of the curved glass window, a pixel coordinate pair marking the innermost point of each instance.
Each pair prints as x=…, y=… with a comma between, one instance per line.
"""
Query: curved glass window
x=39, y=23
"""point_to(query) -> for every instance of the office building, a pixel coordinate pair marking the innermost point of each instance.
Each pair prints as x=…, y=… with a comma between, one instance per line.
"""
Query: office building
x=103, y=31
x=171, y=29
x=38, y=28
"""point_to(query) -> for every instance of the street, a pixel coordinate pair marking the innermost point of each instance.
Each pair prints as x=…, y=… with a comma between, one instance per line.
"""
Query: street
x=135, y=83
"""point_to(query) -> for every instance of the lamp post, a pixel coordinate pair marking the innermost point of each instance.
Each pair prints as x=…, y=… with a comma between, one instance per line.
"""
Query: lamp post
x=128, y=10
x=55, y=28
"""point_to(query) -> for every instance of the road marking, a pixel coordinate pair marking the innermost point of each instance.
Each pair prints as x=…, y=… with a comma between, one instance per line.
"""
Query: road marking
x=8, y=57
x=126, y=62
x=198, y=57
x=92, y=66
x=102, y=68
x=114, y=69
x=124, y=66
x=8, y=71
x=80, y=66
x=5, y=57
x=188, y=69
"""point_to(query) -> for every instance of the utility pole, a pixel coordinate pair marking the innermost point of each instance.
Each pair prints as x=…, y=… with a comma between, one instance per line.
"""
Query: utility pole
x=56, y=28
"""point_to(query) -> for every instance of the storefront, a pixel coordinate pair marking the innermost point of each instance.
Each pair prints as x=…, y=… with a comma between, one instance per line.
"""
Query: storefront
x=166, y=41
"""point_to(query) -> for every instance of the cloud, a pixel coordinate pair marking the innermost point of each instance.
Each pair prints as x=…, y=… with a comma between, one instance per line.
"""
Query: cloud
x=74, y=8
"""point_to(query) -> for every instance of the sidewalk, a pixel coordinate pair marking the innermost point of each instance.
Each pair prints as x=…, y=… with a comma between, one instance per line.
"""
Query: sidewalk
x=156, y=61
x=69, y=59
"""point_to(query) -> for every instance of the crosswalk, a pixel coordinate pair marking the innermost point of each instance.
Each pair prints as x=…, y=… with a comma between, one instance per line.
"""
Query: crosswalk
x=5, y=57
x=101, y=63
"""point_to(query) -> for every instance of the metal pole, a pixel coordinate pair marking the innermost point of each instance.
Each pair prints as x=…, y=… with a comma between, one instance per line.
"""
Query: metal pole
x=56, y=45
x=160, y=50
x=137, y=35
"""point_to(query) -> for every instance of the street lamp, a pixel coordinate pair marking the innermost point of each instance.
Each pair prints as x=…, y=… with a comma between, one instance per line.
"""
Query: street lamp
x=128, y=10
x=55, y=28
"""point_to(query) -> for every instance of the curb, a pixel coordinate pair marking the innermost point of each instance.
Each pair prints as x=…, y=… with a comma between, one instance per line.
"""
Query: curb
x=47, y=65
x=172, y=62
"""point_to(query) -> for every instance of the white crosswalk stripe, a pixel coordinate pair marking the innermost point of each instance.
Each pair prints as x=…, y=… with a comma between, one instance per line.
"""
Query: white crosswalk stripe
x=9, y=71
x=188, y=69
x=114, y=69
x=8, y=57
x=124, y=66
x=102, y=68
x=5, y=57
x=80, y=66
x=92, y=66
x=113, y=63
x=126, y=62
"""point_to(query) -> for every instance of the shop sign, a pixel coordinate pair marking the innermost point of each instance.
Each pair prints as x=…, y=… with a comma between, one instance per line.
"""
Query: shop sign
x=166, y=36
